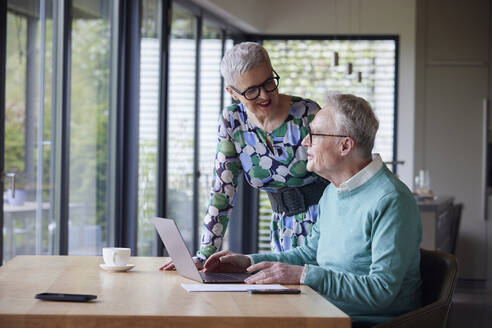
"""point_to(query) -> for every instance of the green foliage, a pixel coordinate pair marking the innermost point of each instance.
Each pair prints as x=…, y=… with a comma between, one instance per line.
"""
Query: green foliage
x=15, y=93
x=14, y=139
x=88, y=110
x=305, y=67
x=150, y=19
x=147, y=195
x=89, y=119
x=183, y=24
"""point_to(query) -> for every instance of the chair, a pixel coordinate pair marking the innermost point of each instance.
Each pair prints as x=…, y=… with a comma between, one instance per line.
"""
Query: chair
x=439, y=272
x=455, y=225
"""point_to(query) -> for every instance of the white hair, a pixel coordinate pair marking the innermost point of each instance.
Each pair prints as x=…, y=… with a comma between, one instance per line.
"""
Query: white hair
x=242, y=58
x=353, y=116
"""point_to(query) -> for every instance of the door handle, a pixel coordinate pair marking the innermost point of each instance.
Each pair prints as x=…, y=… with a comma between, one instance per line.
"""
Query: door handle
x=397, y=162
x=485, y=132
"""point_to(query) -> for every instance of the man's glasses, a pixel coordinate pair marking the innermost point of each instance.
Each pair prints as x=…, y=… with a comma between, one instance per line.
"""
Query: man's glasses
x=310, y=134
x=253, y=92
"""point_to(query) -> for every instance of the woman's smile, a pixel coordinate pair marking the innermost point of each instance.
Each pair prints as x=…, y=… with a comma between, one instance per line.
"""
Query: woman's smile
x=265, y=103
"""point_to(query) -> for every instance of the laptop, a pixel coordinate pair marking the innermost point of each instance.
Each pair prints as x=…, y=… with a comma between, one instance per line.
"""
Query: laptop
x=176, y=247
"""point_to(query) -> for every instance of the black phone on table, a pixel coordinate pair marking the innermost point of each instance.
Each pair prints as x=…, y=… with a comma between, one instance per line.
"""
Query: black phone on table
x=275, y=291
x=63, y=297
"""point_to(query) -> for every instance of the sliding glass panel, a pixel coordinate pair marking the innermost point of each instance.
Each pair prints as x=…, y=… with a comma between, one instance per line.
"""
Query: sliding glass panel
x=181, y=116
x=306, y=70
x=28, y=225
x=149, y=122
x=210, y=98
x=89, y=109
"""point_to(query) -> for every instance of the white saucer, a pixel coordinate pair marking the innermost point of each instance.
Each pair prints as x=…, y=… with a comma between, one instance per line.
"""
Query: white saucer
x=116, y=268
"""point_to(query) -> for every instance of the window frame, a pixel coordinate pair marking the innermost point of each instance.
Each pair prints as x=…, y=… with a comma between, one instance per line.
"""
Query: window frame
x=127, y=126
x=60, y=156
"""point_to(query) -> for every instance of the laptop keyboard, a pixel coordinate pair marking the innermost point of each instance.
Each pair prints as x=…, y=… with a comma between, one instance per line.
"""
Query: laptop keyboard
x=220, y=277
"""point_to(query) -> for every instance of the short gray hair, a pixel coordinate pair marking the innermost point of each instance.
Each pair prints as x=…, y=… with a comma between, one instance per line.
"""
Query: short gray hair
x=242, y=58
x=354, y=117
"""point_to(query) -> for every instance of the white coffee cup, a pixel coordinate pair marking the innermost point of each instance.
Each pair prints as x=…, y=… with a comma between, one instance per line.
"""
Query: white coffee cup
x=116, y=256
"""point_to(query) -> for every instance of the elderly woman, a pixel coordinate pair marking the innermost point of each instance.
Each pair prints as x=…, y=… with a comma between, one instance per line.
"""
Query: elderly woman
x=260, y=136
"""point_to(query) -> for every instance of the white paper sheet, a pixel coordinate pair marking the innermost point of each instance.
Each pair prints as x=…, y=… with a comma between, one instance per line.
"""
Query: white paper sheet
x=227, y=287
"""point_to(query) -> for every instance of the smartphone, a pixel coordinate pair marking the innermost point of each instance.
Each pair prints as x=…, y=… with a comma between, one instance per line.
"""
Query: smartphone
x=65, y=297
x=275, y=291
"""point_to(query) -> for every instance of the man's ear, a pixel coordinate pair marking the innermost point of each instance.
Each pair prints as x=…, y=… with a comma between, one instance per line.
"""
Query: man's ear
x=232, y=93
x=347, y=145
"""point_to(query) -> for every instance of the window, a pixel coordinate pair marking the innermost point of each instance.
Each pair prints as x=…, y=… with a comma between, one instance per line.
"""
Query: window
x=210, y=107
x=306, y=70
x=150, y=46
x=181, y=126
x=80, y=53
x=89, y=109
x=28, y=225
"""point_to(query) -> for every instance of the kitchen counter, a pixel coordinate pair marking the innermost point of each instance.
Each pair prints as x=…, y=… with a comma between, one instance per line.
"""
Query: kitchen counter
x=435, y=204
x=436, y=214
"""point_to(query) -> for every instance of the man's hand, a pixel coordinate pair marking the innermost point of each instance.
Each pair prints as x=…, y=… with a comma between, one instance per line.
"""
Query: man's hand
x=227, y=261
x=275, y=273
x=169, y=266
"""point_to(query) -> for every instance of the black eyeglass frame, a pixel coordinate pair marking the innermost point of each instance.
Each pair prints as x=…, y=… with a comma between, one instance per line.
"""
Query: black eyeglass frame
x=258, y=87
x=310, y=134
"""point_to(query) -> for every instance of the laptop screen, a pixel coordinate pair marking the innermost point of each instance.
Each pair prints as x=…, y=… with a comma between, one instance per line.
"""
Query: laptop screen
x=176, y=247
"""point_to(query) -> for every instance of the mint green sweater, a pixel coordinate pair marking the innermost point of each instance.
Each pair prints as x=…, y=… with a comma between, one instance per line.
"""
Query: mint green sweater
x=363, y=253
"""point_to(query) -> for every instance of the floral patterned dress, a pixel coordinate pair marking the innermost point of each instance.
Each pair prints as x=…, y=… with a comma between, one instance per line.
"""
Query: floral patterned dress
x=242, y=148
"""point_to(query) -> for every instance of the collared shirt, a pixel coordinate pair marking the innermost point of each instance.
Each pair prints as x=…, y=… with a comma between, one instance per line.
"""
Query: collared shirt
x=355, y=181
x=363, y=175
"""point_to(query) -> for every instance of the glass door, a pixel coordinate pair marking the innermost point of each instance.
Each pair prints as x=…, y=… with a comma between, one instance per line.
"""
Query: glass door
x=90, y=107
x=210, y=109
x=28, y=222
x=181, y=111
x=150, y=67
x=32, y=115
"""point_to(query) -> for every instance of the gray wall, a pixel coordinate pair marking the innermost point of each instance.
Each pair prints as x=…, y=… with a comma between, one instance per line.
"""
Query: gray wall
x=452, y=74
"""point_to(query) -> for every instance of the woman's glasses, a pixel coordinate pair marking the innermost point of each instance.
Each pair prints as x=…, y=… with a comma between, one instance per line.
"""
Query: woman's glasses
x=253, y=92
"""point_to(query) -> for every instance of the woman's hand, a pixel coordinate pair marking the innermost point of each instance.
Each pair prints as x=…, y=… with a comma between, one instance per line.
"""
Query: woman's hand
x=169, y=266
x=275, y=273
x=227, y=261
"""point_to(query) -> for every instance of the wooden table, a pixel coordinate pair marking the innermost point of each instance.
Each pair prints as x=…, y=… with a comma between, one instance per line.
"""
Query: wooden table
x=144, y=297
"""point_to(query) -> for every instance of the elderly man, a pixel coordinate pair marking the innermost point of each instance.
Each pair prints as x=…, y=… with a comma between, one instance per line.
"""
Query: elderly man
x=363, y=253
